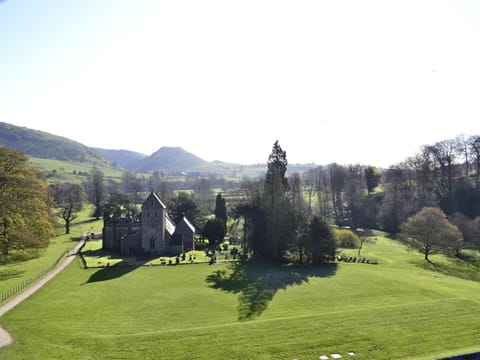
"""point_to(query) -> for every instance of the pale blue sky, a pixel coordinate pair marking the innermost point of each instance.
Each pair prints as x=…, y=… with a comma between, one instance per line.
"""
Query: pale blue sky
x=345, y=81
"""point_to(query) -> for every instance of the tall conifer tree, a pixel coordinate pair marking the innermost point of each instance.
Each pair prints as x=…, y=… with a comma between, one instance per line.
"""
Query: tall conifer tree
x=277, y=207
x=221, y=208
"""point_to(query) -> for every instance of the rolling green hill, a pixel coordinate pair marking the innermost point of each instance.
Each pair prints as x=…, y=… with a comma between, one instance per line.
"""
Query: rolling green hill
x=169, y=160
x=177, y=160
x=73, y=171
x=122, y=158
x=44, y=145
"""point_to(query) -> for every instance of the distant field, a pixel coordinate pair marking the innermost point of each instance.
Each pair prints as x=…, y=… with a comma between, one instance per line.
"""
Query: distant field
x=72, y=171
x=394, y=310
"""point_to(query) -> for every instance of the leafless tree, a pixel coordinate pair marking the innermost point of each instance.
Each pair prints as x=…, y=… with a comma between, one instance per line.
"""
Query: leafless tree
x=95, y=190
x=68, y=199
x=474, y=144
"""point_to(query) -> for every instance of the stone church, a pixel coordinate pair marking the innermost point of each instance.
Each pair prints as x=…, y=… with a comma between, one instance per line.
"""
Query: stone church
x=154, y=234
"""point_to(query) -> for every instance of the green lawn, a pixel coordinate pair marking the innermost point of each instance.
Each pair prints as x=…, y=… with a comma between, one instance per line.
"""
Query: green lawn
x=96, y=257
x=394, y=310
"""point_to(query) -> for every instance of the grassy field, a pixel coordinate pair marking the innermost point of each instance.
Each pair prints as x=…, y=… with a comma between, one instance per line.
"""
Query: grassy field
x=13, y=274
x=71, y=171
x=397, y=309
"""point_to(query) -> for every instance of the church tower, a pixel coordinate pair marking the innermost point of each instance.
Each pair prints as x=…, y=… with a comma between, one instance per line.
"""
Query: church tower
x=153, y=225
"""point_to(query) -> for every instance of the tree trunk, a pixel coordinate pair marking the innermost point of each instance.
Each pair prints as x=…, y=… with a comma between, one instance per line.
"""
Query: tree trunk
x=360, y=248
x=98, y=211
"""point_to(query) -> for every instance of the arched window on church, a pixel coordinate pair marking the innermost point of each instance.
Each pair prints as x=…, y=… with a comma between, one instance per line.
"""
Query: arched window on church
x=152, y=243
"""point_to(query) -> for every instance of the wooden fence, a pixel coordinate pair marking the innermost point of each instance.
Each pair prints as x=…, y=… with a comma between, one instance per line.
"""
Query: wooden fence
x=27, y=282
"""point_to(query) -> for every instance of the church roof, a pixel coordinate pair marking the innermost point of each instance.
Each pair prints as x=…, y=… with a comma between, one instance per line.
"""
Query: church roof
x=169, y=225
x=188, y=223
x=156, y=198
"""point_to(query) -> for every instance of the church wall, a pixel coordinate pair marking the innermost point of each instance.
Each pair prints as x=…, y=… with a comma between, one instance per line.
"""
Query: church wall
x=108, y=238
x=187, y=235
x=115, y=230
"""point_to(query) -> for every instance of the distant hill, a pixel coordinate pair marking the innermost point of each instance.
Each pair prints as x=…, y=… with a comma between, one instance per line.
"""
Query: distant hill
x=169, y=160
x=47, y=146
x=177, y=160
x=126, y=159
x=172, y=159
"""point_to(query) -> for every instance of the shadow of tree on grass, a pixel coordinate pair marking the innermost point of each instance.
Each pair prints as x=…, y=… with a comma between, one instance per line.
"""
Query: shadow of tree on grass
x=86, y=221
x=113, y=272
x=257, y=283
x=462, y=268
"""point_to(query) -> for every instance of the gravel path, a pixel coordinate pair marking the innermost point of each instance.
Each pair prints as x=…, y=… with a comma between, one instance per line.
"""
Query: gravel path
x=5, y=338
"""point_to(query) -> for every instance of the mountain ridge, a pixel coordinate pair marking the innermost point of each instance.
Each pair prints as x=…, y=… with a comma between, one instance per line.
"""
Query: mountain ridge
x=41, y=144
x=170, y=160
x=44, y=145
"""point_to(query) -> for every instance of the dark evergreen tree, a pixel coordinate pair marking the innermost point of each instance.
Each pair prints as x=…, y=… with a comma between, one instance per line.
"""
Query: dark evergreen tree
x=251, y=210
x=214, y=230
x=276, y=207
x=186, y=205
x=277, y=166
x=322, y=245
x=95, y=190
x=301, y=224
x=221, y=208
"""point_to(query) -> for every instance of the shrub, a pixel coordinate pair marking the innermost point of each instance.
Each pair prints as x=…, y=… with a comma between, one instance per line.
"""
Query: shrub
x=347, y=239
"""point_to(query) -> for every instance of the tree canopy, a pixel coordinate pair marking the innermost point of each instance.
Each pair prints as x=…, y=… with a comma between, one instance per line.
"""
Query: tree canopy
x=321, y=242
x=25, y=219
x=277, y=166
x=96, y=192
x=372, y=178
x=430, y=232
x=185, y=205
x=214, y=230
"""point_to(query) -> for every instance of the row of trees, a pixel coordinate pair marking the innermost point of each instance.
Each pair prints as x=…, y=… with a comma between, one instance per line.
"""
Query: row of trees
x=444, y=175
